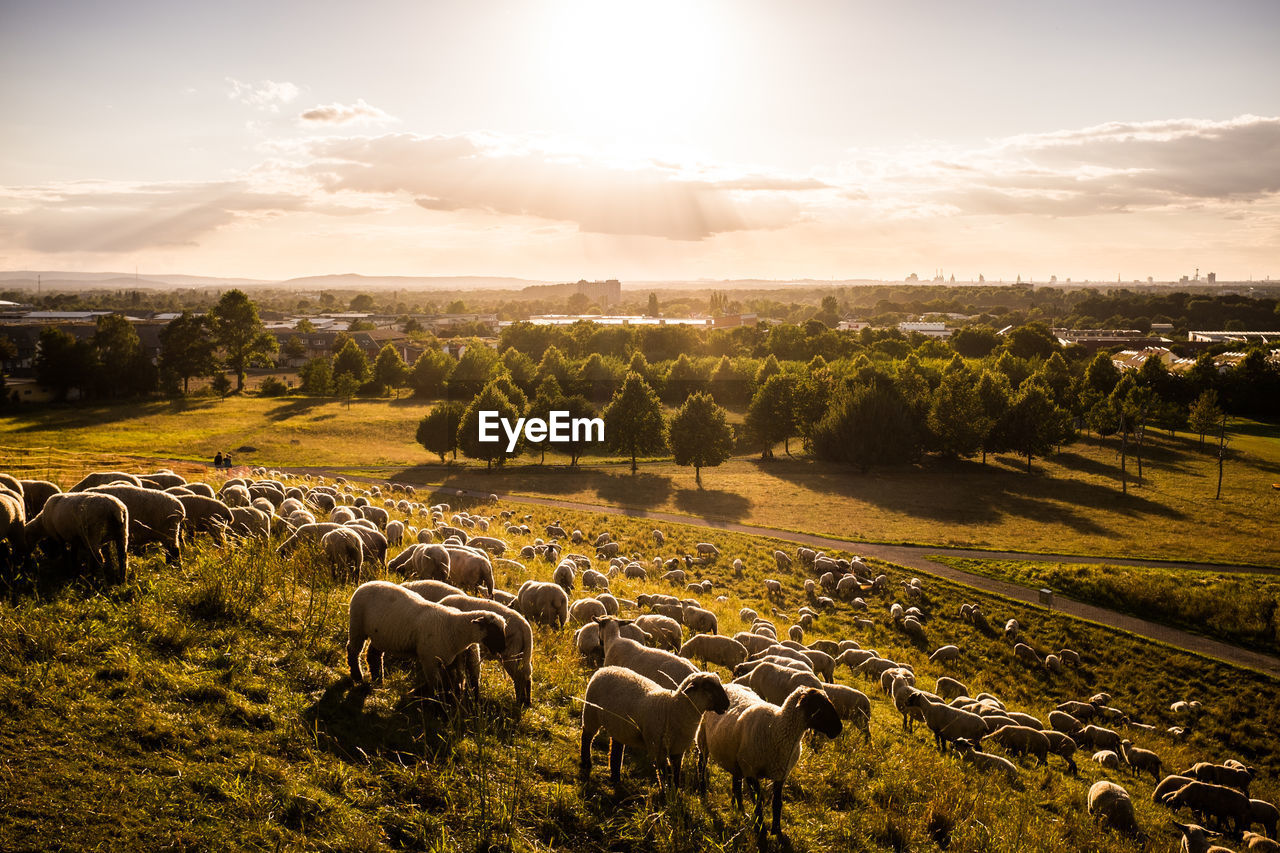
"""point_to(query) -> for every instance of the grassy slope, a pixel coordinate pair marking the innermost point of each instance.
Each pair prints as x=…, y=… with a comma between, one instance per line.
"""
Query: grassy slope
x=207, y=708
x=1239, y=608
x=1072, y=502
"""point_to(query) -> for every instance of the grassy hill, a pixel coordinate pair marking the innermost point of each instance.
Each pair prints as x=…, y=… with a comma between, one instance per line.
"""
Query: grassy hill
x=208, y=707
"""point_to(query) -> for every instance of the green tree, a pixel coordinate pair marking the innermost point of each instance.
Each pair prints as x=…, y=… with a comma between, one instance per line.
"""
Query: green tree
x=430, y=373
x=362, y=302
x=993, y=396
x=124, y=369
x=187, y=348
x=1033, y=340
x=317, y=376
x=683, y=379
x=1033, y=425
x=1205, y=414
x=578, y=407
x=351, y=361
x=1102, y=374
x=974, y=341
x=345, y=386
x=652, y=310
x=64, y=362
x=221, y=385
x=768, y=367
x=700, y=434
x=728, y=386
x=868, y=423
x=633, y=420
x=438, y=429
x=521, y=368
x=389, y=369
x=956, y=418
x=549, y=398
x=771, y=417
x=490, y=399
x=238, y=332
x=553, y=364
x=477, y=367
x=294, y=348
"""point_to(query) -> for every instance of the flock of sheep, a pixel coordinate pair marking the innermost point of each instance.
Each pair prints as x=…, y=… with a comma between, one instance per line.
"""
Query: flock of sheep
x=651, y=690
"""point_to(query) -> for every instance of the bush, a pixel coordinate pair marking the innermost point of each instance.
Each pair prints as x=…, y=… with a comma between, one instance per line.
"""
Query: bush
x=274, y=386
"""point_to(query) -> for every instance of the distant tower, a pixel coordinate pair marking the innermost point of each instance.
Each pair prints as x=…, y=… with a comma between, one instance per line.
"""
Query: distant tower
x=1212, y=278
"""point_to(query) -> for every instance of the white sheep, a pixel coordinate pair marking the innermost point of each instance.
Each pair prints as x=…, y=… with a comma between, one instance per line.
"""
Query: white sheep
x=432, y=590
x=947, y=723
x=756, y=740
x=154, y=517
x=96, y=522
x=517, y=652
x=665, y=631
x=585, y=610
x=852, y=705
x=345, y=551
x=543, y=602
x=397, y=620
x=640, y=714
x=722, y=651
x=699, y=620
x=664, y=667
x=1110, y=804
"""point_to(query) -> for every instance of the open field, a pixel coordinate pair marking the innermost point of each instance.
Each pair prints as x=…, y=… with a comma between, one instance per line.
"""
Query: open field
x=208, y=706
x=1071, y=504
x=1242, y=609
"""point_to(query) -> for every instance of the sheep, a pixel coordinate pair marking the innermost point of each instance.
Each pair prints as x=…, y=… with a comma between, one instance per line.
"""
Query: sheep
x=13, y=519
x=102, y=478
x=757, y=740
x=1081, y=711
x=373, y=542
x=949, y=688
x=1061, y=721
x=852, y=705
x=1069, y=657
x=1025, y=653
x=638, y=713
x=1062, y=745
x=1023, y=740
x=587, y=640
x=1222, y=774
x=782, y=560
x=97, y=522
x=666, y=632
x=591, y=579
x=470, y=568
x=1168, y=785
x=1011, y=629
x=585, y=610
x=775, y=682
x=945, y=654
x=395, y=531
x=543, y=602
x=432, y=590
x=772, y=587
x=1264, y=813
x=1256, y=843
x=1107, y=758
x=564, y=574
x=1096, y=736
x=1218, y=801
x=397, y=620
x=1195, y=839
x=947, y=723
x=746, y=614
x=986, y=762
x=658, y=538
x=161, y=480
x=1110, y=805
x=35, y=493
x=699, y=620
x=205, y=515
x=722, y=651
x=611, y=605
x=251, y=521
x=517, y=652
x=754, y=643
x=707, y=549
x=1140, y=760
x=345, y=551
x=658, y=665
x=422, y=561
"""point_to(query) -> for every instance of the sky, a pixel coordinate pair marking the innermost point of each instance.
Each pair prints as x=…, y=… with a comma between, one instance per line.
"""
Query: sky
x=662, y=139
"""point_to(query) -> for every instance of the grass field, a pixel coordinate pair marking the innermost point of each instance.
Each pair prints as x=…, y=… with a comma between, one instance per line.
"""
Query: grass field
x=1243, y=609
x=1070, y=504
x=208, y=707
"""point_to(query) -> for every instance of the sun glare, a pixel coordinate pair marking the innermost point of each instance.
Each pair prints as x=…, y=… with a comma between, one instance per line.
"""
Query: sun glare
x=619, y=66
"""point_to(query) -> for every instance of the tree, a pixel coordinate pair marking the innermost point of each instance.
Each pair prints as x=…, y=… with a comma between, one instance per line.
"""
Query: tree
x=294, y=348
x=1033, y=425
x=521, y=368
x=553, y=364
x=187, y=348
x=578, y=407
x=683, y=379
x=1034, y=340
x=956, y=417
x=974, y=341
x=993, y=396
x=490, y=399
x=768, y=367
x=868, y=423
x=362, y=302
x=652, y=310
x=633, y=420
x=345, y=385
x=1205, y=414
x=548, y=399
x=771, y=417
x=1102, y=374
x=478, y=365
x=389, y=369
x=700, y=434
x=123, y=368
x=351, y=361
x=317, y=376
x=221, y=385
x=238, y=332
x=438, y=429
x=430, y=373
x=64, y=362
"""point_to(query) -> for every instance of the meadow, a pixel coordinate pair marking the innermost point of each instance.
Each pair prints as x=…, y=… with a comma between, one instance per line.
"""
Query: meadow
x=207, y=707
x=1072, y=503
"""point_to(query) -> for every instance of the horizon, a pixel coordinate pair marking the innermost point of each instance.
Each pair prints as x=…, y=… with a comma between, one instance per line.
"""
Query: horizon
x=659, y=142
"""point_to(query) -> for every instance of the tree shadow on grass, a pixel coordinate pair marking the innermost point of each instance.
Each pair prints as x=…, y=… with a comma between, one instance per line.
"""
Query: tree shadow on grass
x=713, y=503
x=60, y=416
x=293, y=408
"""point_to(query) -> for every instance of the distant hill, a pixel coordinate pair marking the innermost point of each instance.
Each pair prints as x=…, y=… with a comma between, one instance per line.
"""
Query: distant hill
x=355, y=281
x=62, y=280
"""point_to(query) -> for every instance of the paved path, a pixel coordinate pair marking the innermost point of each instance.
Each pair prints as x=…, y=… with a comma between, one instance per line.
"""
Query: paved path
x=921, y=557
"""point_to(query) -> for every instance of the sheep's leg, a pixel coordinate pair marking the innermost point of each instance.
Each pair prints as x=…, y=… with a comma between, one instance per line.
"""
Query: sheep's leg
x=615, y=761
x=353, y=659
x=758, y=817
x=676, y=761
x=375, y=664
x=777, y=807
x=736, y=797
x=584, y=762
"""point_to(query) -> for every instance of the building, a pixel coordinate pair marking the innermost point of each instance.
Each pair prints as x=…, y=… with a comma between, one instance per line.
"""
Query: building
x=1099, y=339
x=927, y=328
x=852, y=325
x=728, y=321
x=1227, y=337
x=1134, y=359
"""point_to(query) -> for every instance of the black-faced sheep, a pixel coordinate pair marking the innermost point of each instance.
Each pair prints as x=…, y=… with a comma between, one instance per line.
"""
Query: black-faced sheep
x=516, y=655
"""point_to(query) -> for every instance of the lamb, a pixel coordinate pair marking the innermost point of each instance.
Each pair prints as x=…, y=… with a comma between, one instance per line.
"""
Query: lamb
x=1023, y=740
x=1218, y=801
x=543, y=602
x=661, y=666
x=1110, y=804
x=756, y=740
x=1062, y=745
x=1107, y=758
x=517, y=653
x=774, y=682
x=1264, y=813
x=772, y=587
x=591, y=579
x=665, y=631
x=96, y=522
x=782, y=559
x=636, y=712
x=986, y=762
x=852, y=705
x=945, y=654
x=396, y=620
x=585, y=610
x=708, y=549
x=949, y=688
x=1140, y=760
x=722, y=651
x=947, y=723
x=1011, y=629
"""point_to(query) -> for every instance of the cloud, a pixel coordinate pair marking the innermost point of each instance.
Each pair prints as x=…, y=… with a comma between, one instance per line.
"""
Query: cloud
x=345, y=114
x=512, y=177
x=266, y=95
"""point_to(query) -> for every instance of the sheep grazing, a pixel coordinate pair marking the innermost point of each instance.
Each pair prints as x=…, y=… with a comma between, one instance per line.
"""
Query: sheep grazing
x=35, y=493
x=665, y=631
x=986, y=762
x=1053, y=663
x=710, y=648
x=1140, y=760
x=432, y=590
x=756, y=740
x=1255, y=843
x=1096, y=736
x=542, y=602
x=1110, y=805
x=585, y=610
x=470, y=568
x=344, y=550
x=1107, y=758
x=1195, y=839
x=659, y=538
x=852, y=705
x=949, y=688
x=517, y=651
x=782, y=560
x=775, y=682
x=772, y=588
x=1265, y=815
x=1168, y=785
x=95, y=522
x=707, y=549
x=947, y=723
x=638, y=713
x=587, y=640
x=1222, y=774
x=1217, y=801
x=396, y=620
x=945, y=654
x=422, y=561
x=564, y=574
x=1027, y=654
x=1022, y=740
x=664, y=667
x=1063, y=746
x=102, y=478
